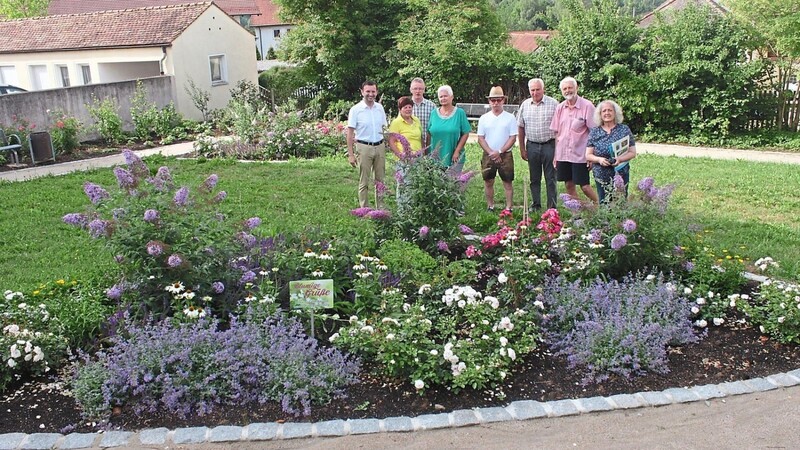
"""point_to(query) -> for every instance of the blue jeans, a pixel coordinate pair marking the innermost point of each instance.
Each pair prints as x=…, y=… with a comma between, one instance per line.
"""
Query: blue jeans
x=605, y=185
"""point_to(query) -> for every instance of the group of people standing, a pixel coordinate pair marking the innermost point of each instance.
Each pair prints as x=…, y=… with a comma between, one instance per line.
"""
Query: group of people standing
x=559, y=141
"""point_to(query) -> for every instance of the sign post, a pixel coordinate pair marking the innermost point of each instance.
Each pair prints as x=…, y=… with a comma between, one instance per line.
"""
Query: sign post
x=311, y=295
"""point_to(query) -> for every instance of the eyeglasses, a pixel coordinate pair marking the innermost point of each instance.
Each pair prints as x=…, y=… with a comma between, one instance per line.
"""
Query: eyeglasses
x=495, y=100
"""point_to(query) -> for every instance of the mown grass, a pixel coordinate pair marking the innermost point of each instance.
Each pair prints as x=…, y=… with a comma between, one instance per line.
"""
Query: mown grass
x=747, y=208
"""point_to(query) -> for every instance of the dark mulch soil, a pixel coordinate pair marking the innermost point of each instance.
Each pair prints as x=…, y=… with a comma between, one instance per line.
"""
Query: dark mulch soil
x=728, y=353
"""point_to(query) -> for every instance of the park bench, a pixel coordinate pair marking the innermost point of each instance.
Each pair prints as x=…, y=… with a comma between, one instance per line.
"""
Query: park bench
x=476, y=110
x=6, y=145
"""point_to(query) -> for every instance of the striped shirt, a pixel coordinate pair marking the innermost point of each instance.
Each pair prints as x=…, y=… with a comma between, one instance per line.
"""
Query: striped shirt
x=423, y=111
x=536, y=119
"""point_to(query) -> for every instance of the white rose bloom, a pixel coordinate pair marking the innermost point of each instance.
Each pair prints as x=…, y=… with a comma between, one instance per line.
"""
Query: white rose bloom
x=502, y=278
x=701, y=323
x=333, y=337
x=781, y=319
x=434, y=352
x=462, y=303
x=687, y=291
x=424, y=289
x=718, y=321
x=390, y=337
x=419, y=384
x=512, y=354
x=695, y=310
x=701, y=301
x=353, y=319
x=538, y=304
x=11, y=363
x=503, y=341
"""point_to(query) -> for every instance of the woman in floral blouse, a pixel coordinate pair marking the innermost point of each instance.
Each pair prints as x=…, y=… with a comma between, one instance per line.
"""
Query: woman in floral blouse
x=600, y=152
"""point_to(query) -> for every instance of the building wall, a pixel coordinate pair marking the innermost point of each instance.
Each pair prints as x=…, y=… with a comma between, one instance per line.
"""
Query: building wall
x=265, y=37
x=33, y=106
x=123, y=71
x=213, y=33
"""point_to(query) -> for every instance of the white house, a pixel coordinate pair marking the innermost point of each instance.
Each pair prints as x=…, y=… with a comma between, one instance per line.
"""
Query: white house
x=197, y=42
x=268, y=27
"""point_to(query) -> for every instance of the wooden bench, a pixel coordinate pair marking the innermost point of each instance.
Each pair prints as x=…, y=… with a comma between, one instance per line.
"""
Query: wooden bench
x=7, y=146
x=476, y=110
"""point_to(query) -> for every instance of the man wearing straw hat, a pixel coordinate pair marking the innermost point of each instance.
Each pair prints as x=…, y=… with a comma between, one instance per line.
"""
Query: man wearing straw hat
x=497, y=132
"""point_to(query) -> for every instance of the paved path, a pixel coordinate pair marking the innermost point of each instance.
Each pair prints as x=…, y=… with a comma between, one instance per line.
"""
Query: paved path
x=758, y=413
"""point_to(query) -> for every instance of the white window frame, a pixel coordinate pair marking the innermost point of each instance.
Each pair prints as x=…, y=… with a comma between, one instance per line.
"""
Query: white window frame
x=8, y=75
x=221, y=61
x=65, y=81
x=41, y=80
x=85, y=69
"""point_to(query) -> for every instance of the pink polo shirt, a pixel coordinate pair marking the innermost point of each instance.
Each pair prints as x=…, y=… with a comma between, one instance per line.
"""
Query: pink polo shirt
x=571, y=124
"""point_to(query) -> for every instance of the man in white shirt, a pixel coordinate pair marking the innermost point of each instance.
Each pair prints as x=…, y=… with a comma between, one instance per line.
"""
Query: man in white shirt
x=365, y=146
x=497, y=132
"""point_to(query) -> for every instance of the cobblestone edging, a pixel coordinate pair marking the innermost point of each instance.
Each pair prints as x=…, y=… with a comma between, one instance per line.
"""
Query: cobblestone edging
x=519, y=410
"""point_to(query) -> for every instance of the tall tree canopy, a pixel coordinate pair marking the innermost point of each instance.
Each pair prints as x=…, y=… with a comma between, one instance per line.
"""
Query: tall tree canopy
x=18, y=9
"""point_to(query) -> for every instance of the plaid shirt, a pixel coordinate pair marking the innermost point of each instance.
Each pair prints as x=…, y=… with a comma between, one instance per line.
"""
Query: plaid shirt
x=423, y=112
x=536, y=118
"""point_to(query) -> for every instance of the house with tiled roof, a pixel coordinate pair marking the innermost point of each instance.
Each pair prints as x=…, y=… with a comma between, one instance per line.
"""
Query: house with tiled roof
x=529, y=41
x=268, y=27
x=241, y=10
x=196, y=42
x=677, y=5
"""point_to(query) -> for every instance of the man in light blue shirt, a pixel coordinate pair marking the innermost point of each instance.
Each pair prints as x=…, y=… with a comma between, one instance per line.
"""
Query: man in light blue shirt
x=365, y=146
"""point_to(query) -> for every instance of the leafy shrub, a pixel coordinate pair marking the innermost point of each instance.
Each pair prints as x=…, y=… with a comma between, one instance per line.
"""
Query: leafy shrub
x=106, y=120
x=192, y=368
x=173, y=246
x=775, y=308
x=407, y=260
x=64, y=131
x=621, y=327
x=32, y=342
x=81, y=308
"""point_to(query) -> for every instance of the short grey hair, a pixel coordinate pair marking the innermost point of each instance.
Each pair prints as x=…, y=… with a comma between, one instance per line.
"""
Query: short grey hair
x=566, y=80
x=444, y=88
x=618, y=117
x=535, y=80
x=418, y=80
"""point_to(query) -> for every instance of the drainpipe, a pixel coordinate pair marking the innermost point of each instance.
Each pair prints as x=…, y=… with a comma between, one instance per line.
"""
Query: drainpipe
x=161, y=62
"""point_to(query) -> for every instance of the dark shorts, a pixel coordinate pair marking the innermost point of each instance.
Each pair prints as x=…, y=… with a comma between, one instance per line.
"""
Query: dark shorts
x=575, y=172
x=505, y=168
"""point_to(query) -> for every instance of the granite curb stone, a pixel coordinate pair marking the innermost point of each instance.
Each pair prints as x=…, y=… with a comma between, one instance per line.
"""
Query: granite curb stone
x=735, y=388
x=330, y=428
x=225, y=433
x=37, y=441
x=493, y=414
x=761, y=384
x=364, y=426
x=625, y=401
x=78, y=440
x=527, y=409
x=431, y=421
x=292, y=430
x=783, y=379
x=153, y=436
x=464, y=417
x=593, y=404
x=261, y=431
x=10, y=441
x=193, y=435
x=682, y=395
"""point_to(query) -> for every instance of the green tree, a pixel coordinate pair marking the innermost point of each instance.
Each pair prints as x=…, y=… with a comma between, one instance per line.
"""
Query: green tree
x=18, y=9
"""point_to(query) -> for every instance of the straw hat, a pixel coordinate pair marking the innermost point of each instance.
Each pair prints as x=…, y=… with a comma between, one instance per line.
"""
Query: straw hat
x=496, y=92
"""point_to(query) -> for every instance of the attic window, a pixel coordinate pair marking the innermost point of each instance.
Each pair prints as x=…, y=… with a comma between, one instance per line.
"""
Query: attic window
x=219, y=69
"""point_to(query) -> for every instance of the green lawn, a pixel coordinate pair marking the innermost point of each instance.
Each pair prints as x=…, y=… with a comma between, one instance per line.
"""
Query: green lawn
x=750, y=209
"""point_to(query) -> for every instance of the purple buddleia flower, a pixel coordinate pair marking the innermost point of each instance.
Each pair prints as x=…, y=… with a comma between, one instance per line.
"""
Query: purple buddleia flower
x=218, y=287
x=114, y=292
x=76, y=219
x=360, y=212
x=151, y=215
x=595, y=235
x=689, y=266
x=423, y=231
x=125, y=178
x=119, y=259
x=248, y=277
x=95, y=192
x=154, y=248
x=645, y=184
x=246, y=238
x=163, y=179
x=573, y=204
x=443, y=247
x=399, y=177
x=464, y=179
x=618, y=241
x=378, y=214
x=252, y=223
x=221, y=195
x=619, y=183
x=98, y=228
x=465, y=229
x=629, y=225
x=380, y=189
x=181, y=197
x=135, y=164
x=174, y=260
x=118, y=213
x=209, y=183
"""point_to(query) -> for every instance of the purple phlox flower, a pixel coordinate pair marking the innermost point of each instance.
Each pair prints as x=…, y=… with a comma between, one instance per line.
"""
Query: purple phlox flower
x=379, y=214
x=360, y=212
x=209, y=183
x=95, y=192
x=76, y=219
x=423, y=231
x=619, y=241
x=380, y=189
x=465, y=229
x=135, y=163
x=221, y=195
x=619, y=183
x=154, y=248
x=151, y=215
x=125, y=178
x=174, y=260
x=629, y=225
x=181, y=197
x=252, y=223
x=248, y=277
x=443, y=247
x=645, y=184
x=114, y=292
x=99, y=227
x=573, y=204
x=218, y=287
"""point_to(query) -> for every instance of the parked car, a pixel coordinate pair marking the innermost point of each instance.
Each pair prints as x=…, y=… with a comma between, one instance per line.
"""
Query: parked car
x=10, y=89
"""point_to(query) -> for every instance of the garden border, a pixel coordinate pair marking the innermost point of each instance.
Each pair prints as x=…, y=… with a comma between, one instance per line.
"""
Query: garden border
x=518, y=410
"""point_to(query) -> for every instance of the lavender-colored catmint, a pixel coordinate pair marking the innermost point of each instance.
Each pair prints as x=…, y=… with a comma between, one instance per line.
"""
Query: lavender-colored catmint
x=95, y=192
x=618, y=241
x=151, y=215
x=174, y=260
x=629, y=225
x=218, y=287
x=181, y=197
x=76, y=219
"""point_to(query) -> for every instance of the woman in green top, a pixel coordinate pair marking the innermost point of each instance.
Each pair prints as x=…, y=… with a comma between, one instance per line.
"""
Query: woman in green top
x=448, y=131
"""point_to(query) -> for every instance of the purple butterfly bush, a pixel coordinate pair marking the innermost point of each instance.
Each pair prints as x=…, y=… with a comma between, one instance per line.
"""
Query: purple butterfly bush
x=209, y=183
x=163, y=179
x=125, y=178
x=619, y=241
x=181, y=197
x=360, y=212
x=218, y=287
x=443, y=247
x=114, y=292
x=378, y=214
x=221, y=196
x=151, y=215
x=465, y=229
x=137, y=167
x=619, y=183
x=95, y=192
x=76, y=219
x=247, y=277
x=629, y=225
x=380, y=189
x=174, y=260
x=252, y=223
x=423, y=231
x=154, y=248
x=98, y=228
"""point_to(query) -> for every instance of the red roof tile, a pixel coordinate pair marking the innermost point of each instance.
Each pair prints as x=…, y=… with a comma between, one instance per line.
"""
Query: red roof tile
x=142, y=27
x=231, y=7
x=269, y=14
x=528, y=41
